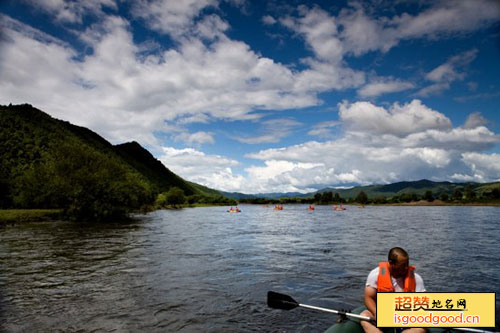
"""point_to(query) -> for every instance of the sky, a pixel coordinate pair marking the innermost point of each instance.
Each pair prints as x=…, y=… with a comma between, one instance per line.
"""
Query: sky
x=270, y=96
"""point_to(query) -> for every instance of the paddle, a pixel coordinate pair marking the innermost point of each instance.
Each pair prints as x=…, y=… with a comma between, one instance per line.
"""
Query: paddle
x=284, y=302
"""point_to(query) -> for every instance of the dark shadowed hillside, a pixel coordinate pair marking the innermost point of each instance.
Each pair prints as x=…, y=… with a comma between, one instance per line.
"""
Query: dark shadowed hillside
x=157, y=174
x=49, y=163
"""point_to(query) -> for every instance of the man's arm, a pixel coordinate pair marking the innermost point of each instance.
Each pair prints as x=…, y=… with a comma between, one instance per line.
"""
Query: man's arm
x=371, y=300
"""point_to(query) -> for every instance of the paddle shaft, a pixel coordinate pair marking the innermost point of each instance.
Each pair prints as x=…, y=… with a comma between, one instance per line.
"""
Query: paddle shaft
x=471, y=330
x=352, y=315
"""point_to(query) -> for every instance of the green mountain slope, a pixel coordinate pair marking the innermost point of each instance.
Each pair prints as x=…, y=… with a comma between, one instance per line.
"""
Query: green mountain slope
x=155, y=172
x=49, y=163
x=206, y=191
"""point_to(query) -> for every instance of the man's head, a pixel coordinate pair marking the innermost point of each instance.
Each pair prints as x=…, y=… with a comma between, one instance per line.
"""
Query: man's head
x=398, y=262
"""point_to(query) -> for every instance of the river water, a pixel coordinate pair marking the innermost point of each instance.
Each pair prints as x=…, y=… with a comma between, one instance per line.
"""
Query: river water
x=202, y=269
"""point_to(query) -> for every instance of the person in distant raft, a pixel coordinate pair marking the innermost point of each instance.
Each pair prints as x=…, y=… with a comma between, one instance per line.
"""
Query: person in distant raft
x=394, y=275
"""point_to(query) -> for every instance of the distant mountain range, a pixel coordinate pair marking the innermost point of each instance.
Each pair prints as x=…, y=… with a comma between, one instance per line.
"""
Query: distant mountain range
x=276, y=195
x=373, y=191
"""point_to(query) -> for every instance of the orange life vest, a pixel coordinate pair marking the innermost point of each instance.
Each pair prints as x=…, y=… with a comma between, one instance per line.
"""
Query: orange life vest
x=384, y=282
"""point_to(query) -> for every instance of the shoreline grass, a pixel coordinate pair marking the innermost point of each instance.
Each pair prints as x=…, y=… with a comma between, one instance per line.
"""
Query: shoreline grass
x=12, y=216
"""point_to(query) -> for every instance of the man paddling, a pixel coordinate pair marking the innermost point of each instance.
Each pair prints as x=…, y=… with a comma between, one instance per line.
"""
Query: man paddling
x=394, y=275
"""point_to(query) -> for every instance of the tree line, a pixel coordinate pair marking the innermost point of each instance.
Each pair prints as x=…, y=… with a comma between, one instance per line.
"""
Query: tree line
x=458, y=195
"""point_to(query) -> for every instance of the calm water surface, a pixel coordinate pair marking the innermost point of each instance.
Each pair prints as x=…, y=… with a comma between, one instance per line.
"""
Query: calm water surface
x=203, y=269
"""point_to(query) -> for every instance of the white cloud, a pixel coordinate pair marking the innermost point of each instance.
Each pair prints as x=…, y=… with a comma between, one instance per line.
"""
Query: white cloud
x=214, y=171
x=198, y=137
x=274, y=168
x=72, y=11
x=407, y=142
x=445, y=74
x=374, y=89
x=438, y=158
x=459, y=177
x=171, y=17
x=211, y=27
x=268, y=20
x=398, y=120
x=447, y=17
x=125, y=95
x=8, y=24
x=433, y=89
x=279, y=176
x=477, y=96
x=462, y=139
x=119, y=86
x=324, y=129
x=347, y=162
x=331, y=38
x=320, y=32
x=362, y=33
x=334, y=162
x=327, y=69
x=474, y=120
x=323, y=76
x=483, y=167
x=273, y=131
x=485, y=163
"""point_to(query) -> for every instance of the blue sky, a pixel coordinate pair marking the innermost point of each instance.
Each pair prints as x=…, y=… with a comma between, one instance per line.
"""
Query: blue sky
x=270, y=96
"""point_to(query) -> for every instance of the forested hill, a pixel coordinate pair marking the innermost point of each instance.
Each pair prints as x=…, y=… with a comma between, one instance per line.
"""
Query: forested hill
x=418, y=188
x=152, y=169
x=49, y=163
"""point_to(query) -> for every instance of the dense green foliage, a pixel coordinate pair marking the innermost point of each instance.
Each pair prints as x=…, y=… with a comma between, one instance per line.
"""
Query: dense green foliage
x=175, y=196
x=362, y=198
x=428, y=196
x=48, y=163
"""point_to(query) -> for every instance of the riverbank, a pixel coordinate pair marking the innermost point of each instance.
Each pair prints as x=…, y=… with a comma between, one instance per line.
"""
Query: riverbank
x=442, y=203
x=13, y=216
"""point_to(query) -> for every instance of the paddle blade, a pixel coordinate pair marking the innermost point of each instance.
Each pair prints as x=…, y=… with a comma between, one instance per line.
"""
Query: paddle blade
x=280, y=301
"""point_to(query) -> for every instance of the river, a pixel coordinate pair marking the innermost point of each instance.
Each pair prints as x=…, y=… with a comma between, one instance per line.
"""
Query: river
x=203, y=269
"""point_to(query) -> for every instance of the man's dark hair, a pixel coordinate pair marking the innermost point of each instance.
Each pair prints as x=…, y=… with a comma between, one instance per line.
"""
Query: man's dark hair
x=396, y=252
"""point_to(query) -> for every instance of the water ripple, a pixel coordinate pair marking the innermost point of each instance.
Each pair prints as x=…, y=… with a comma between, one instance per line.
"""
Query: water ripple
x=204, y=269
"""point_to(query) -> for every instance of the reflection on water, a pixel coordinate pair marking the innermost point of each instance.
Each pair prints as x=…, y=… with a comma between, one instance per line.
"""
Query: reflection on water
x=205, y=269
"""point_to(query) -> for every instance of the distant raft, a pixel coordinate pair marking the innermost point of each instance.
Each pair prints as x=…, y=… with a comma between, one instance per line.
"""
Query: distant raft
x=335, y=207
